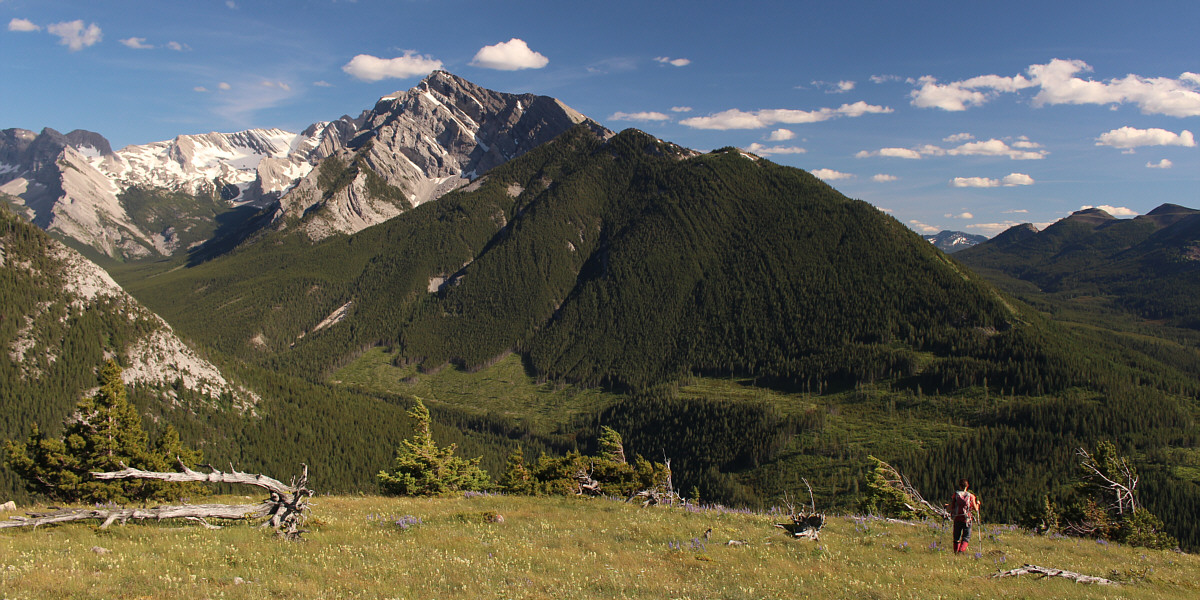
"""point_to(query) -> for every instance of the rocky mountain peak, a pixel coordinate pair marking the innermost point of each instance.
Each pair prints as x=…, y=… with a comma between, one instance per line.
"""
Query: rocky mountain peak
x=417, y=145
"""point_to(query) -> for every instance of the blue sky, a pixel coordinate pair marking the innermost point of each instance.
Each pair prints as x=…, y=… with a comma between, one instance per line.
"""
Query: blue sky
x=948, y=115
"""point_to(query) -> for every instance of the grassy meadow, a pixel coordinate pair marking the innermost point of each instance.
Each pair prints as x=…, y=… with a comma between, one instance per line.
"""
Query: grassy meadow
x=377, y=547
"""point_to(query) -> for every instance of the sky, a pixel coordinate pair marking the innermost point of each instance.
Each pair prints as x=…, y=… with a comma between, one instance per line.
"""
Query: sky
x=968, y=116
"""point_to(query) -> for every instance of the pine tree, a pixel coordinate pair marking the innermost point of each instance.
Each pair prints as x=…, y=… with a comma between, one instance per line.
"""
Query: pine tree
x=421, y=468
x=517, y=478
x=103, y=434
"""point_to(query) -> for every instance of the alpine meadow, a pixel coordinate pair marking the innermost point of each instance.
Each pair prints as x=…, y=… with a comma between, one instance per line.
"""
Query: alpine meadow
x=530, y=356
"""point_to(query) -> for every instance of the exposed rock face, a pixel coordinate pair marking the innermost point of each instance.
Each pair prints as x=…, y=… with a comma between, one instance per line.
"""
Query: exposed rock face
x=952, y=241
x=417, y=145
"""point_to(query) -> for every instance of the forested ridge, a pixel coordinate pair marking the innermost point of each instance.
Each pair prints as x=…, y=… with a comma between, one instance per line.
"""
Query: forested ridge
x=746, y=320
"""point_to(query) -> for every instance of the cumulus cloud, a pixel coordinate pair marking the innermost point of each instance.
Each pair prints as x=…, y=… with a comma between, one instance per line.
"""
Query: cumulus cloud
x=136, y=43
x=512, y=55
x=890, y=153
x=224, y=86
x=1116, y=211
x=371, y=68
x=884, y=178
x=781, y=135
x=1162, y=164
x=762, y=150
x=639, y=116
x=1021, y=150
x=958, y=137
x=837, y=87
x=1129, y=138
x=674, y=62
x=23, y=25
x=830, y=174
x=1058, y=82
x=1010, y=180
x=761, y=119
x=74, y=35
x=922, y=227
x=176, y=46
x=962, y=215
x=991, y=229
x=681, y=109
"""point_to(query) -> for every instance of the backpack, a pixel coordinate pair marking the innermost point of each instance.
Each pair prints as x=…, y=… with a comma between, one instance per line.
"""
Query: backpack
x=960, y=507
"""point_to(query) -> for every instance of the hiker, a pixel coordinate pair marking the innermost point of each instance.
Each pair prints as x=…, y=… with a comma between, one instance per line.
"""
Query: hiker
x=963, y=507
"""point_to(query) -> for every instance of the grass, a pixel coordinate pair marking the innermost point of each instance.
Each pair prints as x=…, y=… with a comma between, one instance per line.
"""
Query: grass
x=375, y=547
x=503, y=388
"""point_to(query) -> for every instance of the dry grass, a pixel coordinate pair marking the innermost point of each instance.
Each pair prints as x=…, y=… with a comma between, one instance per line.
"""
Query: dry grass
x=559, y=548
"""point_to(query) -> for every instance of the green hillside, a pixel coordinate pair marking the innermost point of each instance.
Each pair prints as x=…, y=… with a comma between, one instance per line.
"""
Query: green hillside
x=741, y=318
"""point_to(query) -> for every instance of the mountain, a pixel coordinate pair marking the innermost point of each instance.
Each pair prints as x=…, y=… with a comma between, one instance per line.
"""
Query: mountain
x=417, y=145
x=1148, y=265
x=170, y=197
x=952, y=241
x=61, y=316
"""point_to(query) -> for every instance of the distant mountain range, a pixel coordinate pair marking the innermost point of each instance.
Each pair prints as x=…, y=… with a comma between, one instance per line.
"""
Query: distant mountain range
x=953, y=241
x=1148, y=265
x=169, y=197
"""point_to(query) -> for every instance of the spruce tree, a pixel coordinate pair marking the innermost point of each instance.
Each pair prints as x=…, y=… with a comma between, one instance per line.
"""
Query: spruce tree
x=103, y=434
x=421, y=468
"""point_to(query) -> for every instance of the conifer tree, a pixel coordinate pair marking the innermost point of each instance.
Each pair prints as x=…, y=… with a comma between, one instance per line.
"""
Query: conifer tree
x=103, y=434
x=421, y=468
x=517, y=478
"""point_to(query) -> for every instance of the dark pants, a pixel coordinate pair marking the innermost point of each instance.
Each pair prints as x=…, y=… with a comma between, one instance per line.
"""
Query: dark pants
x=962, y=531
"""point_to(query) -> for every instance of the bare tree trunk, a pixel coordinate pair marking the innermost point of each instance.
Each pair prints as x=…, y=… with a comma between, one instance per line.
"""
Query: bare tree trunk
x=285, y=507
x=1049, y=572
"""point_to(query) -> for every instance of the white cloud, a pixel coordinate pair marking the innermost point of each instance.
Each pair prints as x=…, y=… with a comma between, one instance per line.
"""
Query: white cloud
x=963, y=215
x=639, y=116
x=992, y=147
x=176, y=46
x=512, y=55
x=845, y=86
x=885, y=78
x=760, y=119
x=74, y=35
x=1116, y=211
x=923, y=228
x=839, y=87
x=370, y=68
x=200, y=88
x=1058, y=83
x=1130, y=138
x=1010, y=180
x=762, y=150
x=958, y=137
x=23, y=25
x=995, y=147
x=322, y=83
x=890, y=153
x=883, y=178
x=275, y=84
x=681, y=109
x=674, y=62
x=136, y=43
x=231, y=4
x=1016, y=211
x=830, y=174
x=224, y=86
x=781, y=135
x=1162, y=164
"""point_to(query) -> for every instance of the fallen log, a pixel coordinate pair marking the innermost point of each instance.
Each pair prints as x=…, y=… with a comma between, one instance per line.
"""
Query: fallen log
x=1049, y=572
x=285, y=508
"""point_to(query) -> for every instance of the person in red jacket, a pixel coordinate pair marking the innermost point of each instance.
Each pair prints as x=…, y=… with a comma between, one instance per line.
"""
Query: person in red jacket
x=963, y=507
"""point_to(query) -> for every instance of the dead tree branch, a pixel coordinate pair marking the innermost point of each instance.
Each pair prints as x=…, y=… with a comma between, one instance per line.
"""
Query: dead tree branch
x=804, y=525
x=285, y=507
x=896, y=480
x=1049, y=572
x=1123, y=491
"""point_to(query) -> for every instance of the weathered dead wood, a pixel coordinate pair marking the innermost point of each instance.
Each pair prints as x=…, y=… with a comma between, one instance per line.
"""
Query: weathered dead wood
x=585, y=484
x=1123, y=491
x=804, y=525
x=663, y=493
x=1049, y=572
x=894, y=479
x=285, y=508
